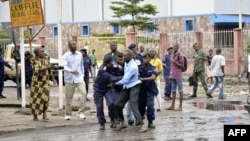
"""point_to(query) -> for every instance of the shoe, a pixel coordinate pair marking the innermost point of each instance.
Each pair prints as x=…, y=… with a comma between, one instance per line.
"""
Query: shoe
x=2, y=96
x=102, y=127
x=67, y=117
x=143, y=129
x=151, y=125
x=192, y=96
x=113, y=124
x=35, y=118
x=81, y=116
x=87, y=99
x=130, y=122
x=45, y=117
x=222, y=98
x=167, y=98
x=158, y=110
x=209, y=95
x=119, y=128
x=117, y=121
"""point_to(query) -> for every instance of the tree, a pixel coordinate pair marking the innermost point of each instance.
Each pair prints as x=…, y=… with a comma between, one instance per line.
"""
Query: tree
x=139, y=14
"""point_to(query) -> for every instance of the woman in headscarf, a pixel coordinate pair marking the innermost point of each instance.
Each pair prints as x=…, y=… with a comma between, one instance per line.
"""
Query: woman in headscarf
x=40, y=85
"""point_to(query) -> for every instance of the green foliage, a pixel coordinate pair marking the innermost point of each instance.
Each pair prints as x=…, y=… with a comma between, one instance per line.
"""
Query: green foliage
x=106, y=35
x=147, y=40
x=119, y=40
x=3, y=35
x=139, y=14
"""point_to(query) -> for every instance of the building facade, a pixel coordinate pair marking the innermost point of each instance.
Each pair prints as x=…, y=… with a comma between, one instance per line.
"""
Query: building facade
x=87, y=17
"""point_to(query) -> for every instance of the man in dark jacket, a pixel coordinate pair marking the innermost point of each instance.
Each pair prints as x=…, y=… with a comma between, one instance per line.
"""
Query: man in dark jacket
x=148, y=90
x=103, y=89
x=87, y=69
x=2, y=64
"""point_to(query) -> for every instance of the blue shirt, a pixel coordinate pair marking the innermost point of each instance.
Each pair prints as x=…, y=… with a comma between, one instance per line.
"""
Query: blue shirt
x=166, y=60
x=148, y=85
x=70, y=63
x=104, y=78
x=87, y=65
x=131, y=75
x=2, y=64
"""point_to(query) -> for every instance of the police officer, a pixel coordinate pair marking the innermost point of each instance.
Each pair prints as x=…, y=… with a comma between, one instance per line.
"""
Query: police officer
x=28, y=69
x=148, y=90
x=87, y=69
x=117, y=70
x=103, y=89
x=2, y=64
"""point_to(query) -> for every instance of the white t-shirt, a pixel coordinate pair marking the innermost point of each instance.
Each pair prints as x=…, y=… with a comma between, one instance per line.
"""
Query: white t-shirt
x=217, y=62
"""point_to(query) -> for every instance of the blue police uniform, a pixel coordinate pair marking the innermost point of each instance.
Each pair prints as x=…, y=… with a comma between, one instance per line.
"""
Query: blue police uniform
x=2, y=64
x=148, y=92
x=166, y=72
x=101, y=90
x=28, y=72
x=87, y=65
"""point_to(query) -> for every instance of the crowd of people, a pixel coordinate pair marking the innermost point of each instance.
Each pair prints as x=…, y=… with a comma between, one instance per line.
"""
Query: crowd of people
x=130, y=79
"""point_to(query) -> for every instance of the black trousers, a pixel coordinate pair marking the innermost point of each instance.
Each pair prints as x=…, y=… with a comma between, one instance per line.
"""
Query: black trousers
x=131, y=95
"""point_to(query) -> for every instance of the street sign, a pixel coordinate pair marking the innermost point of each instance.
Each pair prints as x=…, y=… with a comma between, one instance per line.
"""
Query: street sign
x=26, y=13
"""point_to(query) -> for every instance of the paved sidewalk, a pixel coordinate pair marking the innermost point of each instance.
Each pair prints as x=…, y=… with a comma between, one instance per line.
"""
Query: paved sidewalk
x=10, y=121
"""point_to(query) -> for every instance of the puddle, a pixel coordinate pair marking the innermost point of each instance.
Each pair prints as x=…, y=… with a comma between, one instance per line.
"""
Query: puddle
x=219, y=106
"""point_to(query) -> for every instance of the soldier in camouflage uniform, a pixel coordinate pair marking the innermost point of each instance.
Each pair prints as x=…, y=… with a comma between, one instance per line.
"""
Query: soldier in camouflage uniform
x=199, y=70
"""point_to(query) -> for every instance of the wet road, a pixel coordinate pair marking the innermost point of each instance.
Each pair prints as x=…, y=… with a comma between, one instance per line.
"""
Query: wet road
x=200, y=120
x=170, y=126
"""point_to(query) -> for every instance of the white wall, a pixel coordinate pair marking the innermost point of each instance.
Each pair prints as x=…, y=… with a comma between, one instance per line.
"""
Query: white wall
x=90, y=10
x=50, y=10
x=192, y=7
x=4, y=12
x=86, y=10
x=231, y=6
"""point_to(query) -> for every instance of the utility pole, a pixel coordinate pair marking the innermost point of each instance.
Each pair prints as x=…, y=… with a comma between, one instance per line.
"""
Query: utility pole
x=59, y=28
x=240, y=14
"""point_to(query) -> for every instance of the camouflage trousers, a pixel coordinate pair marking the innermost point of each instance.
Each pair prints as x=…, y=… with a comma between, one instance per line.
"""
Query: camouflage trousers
x=200, y=75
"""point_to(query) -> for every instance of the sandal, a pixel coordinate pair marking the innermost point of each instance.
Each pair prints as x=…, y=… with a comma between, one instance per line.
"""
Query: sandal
x=45, y=117
x=35, y=118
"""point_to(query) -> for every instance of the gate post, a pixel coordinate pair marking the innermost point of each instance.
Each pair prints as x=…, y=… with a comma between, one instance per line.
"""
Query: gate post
x=237, y=50
x=130, y=38
x=198, y=37
x=73, y=38
x=41, y=41
x=163, y=44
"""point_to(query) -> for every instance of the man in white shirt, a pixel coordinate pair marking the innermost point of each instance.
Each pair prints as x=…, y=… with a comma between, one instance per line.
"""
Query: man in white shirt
x=246, y=68
x=73, y=77
x=217, y=67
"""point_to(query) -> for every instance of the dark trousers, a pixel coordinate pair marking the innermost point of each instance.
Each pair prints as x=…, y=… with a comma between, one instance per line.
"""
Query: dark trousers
x=86, y=80
x=1, y=83
x=167, y=88
x=146, y=105
x=131, y=95
x=98, y=99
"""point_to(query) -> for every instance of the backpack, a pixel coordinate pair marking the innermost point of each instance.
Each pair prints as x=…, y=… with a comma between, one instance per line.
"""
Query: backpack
x=185, y=63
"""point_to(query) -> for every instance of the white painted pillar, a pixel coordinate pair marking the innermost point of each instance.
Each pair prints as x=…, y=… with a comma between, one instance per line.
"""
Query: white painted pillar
x=22, y=67
x=59, y=27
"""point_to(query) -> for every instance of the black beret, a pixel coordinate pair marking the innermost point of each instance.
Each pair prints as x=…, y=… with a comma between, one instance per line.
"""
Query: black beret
x=26, y=53
x=84, y=50
x=119, y=54
x=131, y=46
x=170, y=48
x=146, y=55
x=107, y=59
